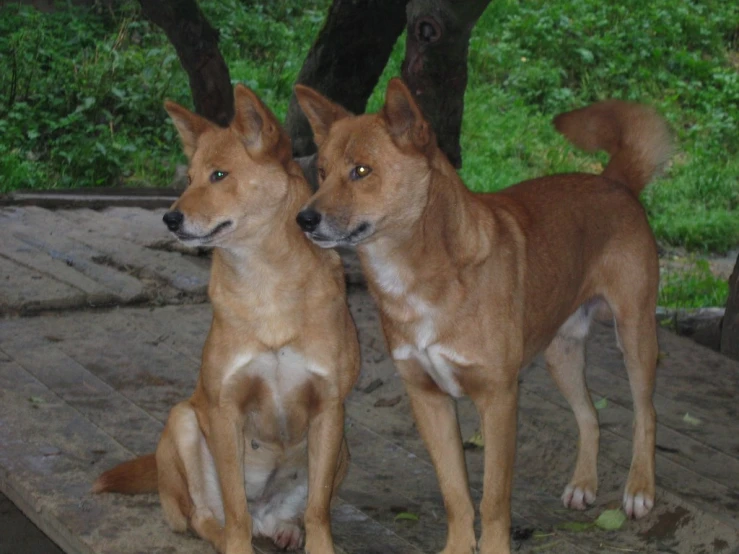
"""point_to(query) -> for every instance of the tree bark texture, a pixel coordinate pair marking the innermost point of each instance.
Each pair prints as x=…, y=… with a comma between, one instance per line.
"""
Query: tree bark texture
x=730, y=323
x=355, y=43
x=347, y=59
x=435, y=65
x=196, y=43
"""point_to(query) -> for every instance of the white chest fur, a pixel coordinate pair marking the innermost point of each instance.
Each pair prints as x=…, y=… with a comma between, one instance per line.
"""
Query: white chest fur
x=438, y=361
x=281, y=370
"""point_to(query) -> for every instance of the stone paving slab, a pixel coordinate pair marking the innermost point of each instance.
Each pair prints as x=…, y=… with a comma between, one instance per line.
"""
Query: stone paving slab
x=77, y=259
x=45, y=290
x=82, y=390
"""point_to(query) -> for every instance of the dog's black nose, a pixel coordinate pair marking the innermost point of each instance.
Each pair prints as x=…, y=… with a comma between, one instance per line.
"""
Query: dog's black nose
x=173, y=220
x=308, y=219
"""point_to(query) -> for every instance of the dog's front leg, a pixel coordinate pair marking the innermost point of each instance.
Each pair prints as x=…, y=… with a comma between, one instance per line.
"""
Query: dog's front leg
x=497, y=404
x=227, y=437
x=436, y=419
x=325, y=435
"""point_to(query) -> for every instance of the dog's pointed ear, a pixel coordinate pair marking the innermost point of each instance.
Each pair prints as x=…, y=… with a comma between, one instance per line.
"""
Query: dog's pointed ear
x=255, y=122
x=320, y=111
x=402, y=115
x=189, y=125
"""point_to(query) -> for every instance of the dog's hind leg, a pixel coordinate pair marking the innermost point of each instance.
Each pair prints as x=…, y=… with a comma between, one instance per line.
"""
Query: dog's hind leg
x=173, y=494
x=200, y=484
x=637, y=333
x=565, y=359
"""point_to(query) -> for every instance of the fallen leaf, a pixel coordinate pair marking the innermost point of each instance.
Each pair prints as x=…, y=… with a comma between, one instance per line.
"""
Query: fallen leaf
x=387, y=402
x=475, y=441
x=373, y=386
x=610, y=520
x=602, y=403
x=406, y=516
x=35, y=400
x=692, y=420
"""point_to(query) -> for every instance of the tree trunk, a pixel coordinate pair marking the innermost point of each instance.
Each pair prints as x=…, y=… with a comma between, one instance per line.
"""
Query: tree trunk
x=196, y=43
x=435, y=66
x=347, y=59
x=730, y=324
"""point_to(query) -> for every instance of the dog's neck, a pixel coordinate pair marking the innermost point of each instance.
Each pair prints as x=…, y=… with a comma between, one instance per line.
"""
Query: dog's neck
x=453, y=230
x=278, y=257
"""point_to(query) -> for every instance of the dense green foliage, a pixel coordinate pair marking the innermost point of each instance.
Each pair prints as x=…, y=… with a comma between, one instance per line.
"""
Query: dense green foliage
x=692, y=285
x=531, y=60
x=81, y=93
x=81, y=98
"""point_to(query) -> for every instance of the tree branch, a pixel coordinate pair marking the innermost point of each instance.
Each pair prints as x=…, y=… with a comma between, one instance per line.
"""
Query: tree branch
x=196, y=43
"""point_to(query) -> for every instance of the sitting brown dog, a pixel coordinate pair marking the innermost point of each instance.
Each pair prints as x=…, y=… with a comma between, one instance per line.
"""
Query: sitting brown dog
x=266, y=420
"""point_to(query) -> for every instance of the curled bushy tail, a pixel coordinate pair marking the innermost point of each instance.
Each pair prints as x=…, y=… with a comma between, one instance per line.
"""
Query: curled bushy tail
x=135, y=476
x=635, y=136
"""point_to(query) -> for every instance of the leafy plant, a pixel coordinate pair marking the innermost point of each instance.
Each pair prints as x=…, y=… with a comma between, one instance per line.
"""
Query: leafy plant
x=532, y=60
x=692, y=285
x=82, y=104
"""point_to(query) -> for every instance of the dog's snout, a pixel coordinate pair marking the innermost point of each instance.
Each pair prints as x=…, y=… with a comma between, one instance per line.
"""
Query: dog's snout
x=173, y=220
x=308, y=219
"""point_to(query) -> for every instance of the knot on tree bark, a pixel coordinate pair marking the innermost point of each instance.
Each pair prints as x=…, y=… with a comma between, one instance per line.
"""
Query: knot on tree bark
x=428, y=30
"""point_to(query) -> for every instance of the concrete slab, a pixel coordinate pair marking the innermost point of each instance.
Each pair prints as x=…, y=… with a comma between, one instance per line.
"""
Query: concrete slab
x=72, y=259
x=42, y=248
x=17, y=295
x=136, y=225
x=92, y=389
x=82, y=390
x=117, y=254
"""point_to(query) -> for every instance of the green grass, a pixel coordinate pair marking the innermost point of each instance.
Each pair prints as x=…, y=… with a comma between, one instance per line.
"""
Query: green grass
x=530, y=61
x=692, y=286
x=81, y=93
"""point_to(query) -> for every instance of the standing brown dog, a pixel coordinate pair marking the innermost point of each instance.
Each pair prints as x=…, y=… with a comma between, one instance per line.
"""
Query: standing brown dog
x=266, y=421
x=472, y=286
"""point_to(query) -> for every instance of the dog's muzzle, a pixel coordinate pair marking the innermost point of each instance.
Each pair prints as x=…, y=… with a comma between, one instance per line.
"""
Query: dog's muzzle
x=308, y=219
x=173, y=220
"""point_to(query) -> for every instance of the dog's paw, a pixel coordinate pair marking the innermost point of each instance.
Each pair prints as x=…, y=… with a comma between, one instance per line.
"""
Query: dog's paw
x=465, y=548
x=469, y=550
x=288, y=536
x=578, y=497
x=239, y=549
x=637, y=505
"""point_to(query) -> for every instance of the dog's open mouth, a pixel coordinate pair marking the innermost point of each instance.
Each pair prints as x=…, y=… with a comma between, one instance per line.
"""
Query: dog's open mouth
x=361, y=232
x=204, y=239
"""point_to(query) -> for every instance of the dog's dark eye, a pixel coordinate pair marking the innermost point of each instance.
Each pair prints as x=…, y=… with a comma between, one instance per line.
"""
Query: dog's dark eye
x=321, y=173
x=359, y=172
x=217, y=175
